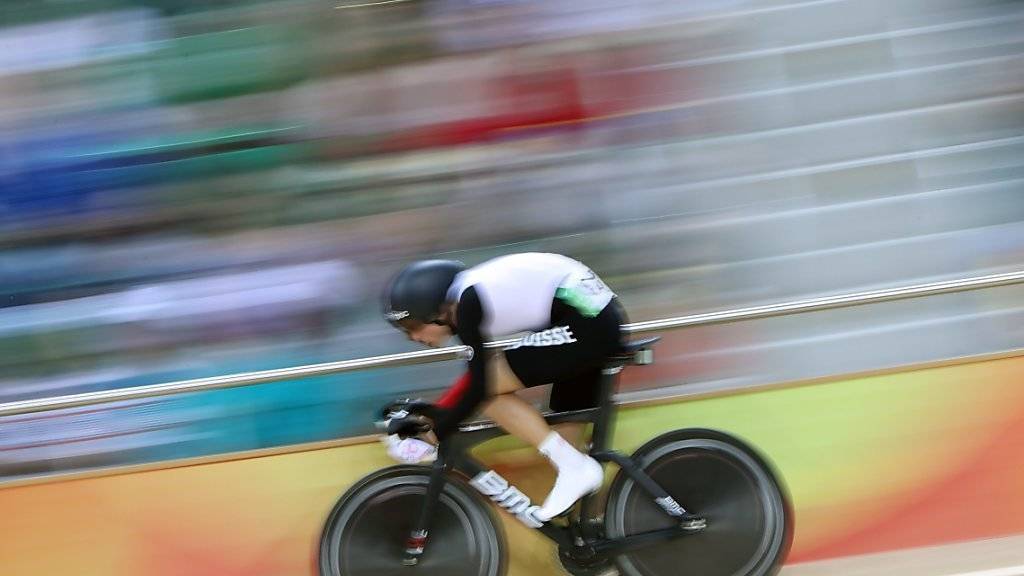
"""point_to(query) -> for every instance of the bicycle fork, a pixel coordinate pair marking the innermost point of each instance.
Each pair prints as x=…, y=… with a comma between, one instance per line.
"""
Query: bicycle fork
x=417, y=540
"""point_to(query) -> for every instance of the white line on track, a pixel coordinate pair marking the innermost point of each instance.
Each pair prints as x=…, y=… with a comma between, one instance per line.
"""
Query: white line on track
x=1007, y=571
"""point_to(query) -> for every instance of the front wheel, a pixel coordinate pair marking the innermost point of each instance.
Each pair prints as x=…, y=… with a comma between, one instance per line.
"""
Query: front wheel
x=365, y=534
x=749, y=518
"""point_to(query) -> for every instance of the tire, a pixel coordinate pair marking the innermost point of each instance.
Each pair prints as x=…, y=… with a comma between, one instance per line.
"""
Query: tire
x=749, y=516
x=366, y=532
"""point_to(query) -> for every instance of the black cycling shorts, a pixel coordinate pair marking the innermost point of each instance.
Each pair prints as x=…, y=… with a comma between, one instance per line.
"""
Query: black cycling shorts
x=569, y=354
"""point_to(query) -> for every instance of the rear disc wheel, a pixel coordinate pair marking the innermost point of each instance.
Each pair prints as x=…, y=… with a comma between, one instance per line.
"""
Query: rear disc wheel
x=716, y=476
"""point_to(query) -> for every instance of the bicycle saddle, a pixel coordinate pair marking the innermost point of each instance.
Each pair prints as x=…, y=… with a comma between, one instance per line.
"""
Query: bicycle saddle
x=632, y=351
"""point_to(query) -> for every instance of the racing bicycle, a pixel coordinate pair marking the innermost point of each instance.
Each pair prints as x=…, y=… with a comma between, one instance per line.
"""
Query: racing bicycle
x=689, y=502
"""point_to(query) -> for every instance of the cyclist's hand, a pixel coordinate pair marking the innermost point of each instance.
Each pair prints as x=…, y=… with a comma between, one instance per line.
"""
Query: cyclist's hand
x=410, y=450
x=410, y=405
x=404, y=425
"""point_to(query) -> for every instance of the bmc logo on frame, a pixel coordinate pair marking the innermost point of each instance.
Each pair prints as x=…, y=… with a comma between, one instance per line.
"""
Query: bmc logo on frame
x=492, y=485
x=551, y=337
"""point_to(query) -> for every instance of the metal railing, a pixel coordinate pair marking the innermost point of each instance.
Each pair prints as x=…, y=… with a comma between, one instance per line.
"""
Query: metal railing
x=456, y=352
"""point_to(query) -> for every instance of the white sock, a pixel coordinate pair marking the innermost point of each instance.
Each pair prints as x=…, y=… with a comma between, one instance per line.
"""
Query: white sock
x=559, y=451
x=578, y=475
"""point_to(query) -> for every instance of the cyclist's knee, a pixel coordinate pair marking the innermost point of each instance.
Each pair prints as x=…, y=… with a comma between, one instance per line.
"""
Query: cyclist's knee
x=501, y=378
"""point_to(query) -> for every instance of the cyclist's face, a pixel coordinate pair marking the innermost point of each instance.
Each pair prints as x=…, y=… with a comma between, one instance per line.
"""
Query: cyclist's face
x=433, y=335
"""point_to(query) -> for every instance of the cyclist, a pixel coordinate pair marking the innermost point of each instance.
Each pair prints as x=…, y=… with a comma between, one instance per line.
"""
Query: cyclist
x=572, y=322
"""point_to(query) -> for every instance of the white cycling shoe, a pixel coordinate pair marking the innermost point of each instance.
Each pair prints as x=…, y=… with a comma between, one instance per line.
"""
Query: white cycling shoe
x=578, y=475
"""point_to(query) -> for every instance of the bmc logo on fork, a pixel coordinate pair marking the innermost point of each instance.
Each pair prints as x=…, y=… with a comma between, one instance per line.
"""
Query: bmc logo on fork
x=492, y=485
x=671, y=506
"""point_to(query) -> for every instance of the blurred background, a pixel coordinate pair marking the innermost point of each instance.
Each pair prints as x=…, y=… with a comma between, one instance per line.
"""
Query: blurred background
x=198, y=188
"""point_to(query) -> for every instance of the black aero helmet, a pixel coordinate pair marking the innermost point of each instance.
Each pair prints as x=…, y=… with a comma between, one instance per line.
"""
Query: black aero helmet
x=418, y=291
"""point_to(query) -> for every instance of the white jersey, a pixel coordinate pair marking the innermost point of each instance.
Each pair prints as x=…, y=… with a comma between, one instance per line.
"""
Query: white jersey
x=516, y=291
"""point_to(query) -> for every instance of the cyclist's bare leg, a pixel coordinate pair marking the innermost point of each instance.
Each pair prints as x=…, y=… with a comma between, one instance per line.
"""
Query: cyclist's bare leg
x=578, y=474
x=573, y=433
x=518, y=417
x=515, y=415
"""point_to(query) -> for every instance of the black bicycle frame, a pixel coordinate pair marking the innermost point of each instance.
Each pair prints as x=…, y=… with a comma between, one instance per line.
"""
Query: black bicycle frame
x=579, y=536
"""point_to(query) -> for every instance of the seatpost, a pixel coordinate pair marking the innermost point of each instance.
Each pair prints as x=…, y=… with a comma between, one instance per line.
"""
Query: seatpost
x=598, y=443
x=603, y=423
